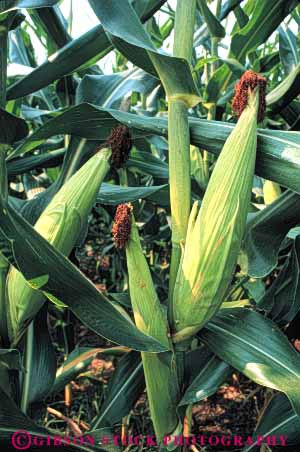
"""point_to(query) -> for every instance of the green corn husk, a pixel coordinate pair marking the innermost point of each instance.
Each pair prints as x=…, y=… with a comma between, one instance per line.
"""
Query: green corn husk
x=159, y=369
x=272, y=191
x=215, y=232
x=60, y=224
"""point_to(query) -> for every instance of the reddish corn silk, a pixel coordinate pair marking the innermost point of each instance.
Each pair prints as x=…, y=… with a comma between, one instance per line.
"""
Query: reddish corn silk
x=122, y=225
x=120, y=142
x=248, y=82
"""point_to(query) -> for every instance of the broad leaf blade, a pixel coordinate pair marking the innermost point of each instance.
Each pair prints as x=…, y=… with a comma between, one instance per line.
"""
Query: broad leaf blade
x=131, y=40
x=255, y=346
x=278, y=153
x=124, y=389
x=44, y=266
x=278, y=419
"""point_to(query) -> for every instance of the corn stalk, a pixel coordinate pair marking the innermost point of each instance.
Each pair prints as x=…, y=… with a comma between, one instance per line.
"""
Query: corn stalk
x=179, y=144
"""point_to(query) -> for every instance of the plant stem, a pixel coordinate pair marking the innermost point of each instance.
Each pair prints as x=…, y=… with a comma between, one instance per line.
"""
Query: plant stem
x=3, y=177
x=179, y=145
x=3, y=64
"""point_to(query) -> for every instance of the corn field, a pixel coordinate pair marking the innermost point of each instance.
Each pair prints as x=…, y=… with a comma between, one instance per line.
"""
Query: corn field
x=149, y=223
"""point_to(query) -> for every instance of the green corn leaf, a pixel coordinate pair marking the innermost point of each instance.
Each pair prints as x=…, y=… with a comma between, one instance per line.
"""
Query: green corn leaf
x=281, y=300
x=285, y=92
x=26, y=164
x=9, y=5
x=277, y=153
x=109, y=90
x=78, y=361
x=124, y=389
x=264, y=20
x=213, y=372
x=40, y=361
x=256, y=347
x=278, y=419
x=289, y=54
x=12, y=419
x=116, y=194
x=214, y=26
x=10, y=358
x=82, y=51
x=132, y=41
x=266, y=231
x=12, y=128
x=52, y=22
x=59, y=279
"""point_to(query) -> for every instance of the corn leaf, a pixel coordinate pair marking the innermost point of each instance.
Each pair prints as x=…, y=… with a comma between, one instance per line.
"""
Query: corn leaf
x=40, y=373
x=12, y=419
x=124, y=389
x=109, y=90
x=9, y=5
x=285, y=92
x=266, y=231
x=131, y=39
x=12, y=128
x=288, y=51
x=278, y=156
x=116, y=194
x=10, y=358
x=78, y=361
x=264, y=20
x=213, y=372
x=90, y=47
x=278, y=419
x=46, y=268
x=255, y=346
x=214, y=26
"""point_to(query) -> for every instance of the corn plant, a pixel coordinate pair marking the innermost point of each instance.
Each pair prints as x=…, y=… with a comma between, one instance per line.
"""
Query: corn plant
x=189, y=146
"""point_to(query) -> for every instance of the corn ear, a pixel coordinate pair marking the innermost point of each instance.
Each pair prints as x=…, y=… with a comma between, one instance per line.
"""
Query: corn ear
x=160, y=371
x=271, y=191
x=215, y=232
x=60, y=224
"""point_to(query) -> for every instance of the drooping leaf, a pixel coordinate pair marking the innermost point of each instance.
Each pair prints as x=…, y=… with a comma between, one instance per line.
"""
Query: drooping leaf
x=266, y=231
x=214, y=26
x=109, y=90
x=25, y=164
x=78, y=361
x=285, y=92
x=90, y=47
x=282, y=299
x=124, y=389
x=116, y=194
x=40, y=363
x=288, y=51
x=134, y=43
x=12, y=420
x=278, y=157
x=278, y=419
x=10, y=358
x=263, y=21
x=9, y=5
x=255, y=346
x=213, y=372
x=12, y=128
x=46, y=269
